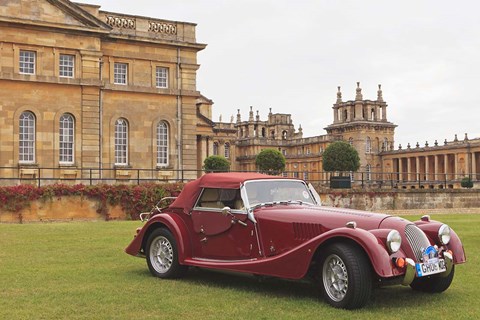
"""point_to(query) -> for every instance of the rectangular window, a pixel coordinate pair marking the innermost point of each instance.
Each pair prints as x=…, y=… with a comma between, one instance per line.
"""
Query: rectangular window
x=27, y=62
x=162, y=77
x=120, y=73
x=66, y=65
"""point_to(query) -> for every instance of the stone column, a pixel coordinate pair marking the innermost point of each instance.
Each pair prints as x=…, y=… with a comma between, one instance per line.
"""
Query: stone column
x=409, y=169
x=427, y=168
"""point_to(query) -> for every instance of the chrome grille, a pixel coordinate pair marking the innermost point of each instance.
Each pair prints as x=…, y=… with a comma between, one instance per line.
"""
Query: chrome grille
x=417, y=239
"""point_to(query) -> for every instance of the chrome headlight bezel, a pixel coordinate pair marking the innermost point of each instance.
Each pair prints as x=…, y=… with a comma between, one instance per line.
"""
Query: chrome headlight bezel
x=394, y=241
x=444, y=234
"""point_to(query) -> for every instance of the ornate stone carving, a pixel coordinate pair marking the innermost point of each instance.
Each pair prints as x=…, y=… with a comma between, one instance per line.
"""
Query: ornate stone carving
x=162, y=27
x=121, y=22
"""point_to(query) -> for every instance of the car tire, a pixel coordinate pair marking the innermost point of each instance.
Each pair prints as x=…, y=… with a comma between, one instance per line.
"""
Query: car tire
x=162, y=255
x=433, y=284
x=345, y=276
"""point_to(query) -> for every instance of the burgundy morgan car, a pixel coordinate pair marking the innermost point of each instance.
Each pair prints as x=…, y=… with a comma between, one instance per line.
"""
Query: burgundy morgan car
x=274, y=226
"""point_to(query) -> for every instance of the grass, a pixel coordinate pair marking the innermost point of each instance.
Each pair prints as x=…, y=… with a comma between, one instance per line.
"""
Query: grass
x=78, y=270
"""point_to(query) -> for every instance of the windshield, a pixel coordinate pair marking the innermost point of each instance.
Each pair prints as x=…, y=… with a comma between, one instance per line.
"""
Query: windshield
x=275, y=191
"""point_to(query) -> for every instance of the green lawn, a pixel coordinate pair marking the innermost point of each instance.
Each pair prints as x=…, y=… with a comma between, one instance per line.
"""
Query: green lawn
x=78, y=270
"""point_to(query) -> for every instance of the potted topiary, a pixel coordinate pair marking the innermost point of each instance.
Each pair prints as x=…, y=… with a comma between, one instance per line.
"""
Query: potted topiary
x=340, y=157
x=466, y=182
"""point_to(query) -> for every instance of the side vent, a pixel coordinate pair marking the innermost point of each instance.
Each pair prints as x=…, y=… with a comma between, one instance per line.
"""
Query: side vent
x=305, y=231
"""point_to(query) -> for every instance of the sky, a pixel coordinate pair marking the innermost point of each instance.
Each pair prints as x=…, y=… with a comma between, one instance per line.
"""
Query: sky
x=291, y=56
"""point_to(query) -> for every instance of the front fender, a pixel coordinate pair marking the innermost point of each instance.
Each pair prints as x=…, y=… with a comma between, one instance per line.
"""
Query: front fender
x=455, y=245
x=375, y=250
x=173, y=223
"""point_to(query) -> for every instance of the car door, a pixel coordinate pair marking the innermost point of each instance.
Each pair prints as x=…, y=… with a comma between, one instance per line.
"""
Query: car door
x=222, y=233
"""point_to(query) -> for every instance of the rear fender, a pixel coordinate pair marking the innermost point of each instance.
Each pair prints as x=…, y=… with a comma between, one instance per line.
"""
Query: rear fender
x=174, y=224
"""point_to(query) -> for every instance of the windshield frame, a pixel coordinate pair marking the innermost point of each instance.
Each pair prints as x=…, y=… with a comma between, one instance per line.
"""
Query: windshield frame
x=305, y=196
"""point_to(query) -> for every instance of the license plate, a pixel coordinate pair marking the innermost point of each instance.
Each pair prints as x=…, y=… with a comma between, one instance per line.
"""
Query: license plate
x=431, y=267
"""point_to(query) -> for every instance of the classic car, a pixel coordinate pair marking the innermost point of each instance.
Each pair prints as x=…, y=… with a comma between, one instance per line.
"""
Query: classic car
x=274, y=226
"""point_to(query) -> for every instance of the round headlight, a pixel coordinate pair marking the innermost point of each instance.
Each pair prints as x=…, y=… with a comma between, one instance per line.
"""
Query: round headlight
x=394, y=241
x=444, y=234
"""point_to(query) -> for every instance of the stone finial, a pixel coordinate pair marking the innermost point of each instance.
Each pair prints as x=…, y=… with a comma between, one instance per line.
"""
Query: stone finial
x=436, y=143
x=300, y=128
x=426, y=143
x=231, y=118
x=445, y=142
x=417, y=145
x=257, y=117
x=400, y=146
x=456, y=138
x=379, y=93
x=408, y=145
x=239, y=117
x=339, y=95
x=270, y=112
x=466, y=137
x=220, y=118
x=250, y=118
x=358, y=96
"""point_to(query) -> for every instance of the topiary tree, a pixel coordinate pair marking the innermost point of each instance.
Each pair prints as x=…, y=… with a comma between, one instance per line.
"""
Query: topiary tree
x=340, y=156
x=216, y=164
x=270, y=161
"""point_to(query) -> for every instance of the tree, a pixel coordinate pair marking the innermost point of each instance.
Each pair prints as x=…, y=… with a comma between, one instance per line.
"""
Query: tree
x=340, y=156
x=270, y=161
x=216, y=164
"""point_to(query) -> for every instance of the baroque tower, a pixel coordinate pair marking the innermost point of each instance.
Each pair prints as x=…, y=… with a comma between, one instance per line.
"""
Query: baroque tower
x=364, y=124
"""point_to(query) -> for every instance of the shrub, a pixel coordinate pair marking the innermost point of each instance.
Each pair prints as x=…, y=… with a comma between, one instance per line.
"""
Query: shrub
x=340, y=156
x=466, y=182
x=270, y=161
x=133, y=199
x=216, y=164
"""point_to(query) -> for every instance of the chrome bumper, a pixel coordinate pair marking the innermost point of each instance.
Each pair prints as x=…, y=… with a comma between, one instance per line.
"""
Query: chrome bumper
x=410, y=271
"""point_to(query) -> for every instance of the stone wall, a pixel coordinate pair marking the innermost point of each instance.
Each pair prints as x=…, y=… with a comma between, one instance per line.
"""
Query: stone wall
x=62, y=209
x=402, y=202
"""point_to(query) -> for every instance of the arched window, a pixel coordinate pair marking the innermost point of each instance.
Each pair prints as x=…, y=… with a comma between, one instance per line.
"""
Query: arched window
x=215, y=148
x=67, y=138
x=369, y=172
x=368, y=145
x=263, y=133
x=162, y=144
x=345, y=115
x=372, y=114
x=385, y=144
x=26, y=139
x=227, y=150
x=284, y=135
x=121, y=142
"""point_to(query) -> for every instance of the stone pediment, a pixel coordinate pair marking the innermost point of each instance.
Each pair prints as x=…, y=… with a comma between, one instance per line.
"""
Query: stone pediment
x=50, y=13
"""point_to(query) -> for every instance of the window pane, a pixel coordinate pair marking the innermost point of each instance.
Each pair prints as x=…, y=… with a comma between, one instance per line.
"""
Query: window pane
x=66, y=138
x=27, y=137
x=27, y=62
x=162, y=77
x=120, y=73
x=162, y=144
x=121, y=142
x=66, y=65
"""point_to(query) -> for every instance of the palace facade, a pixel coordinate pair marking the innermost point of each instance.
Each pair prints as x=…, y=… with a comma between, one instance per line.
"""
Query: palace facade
x=89, y=94
x=84, y=88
